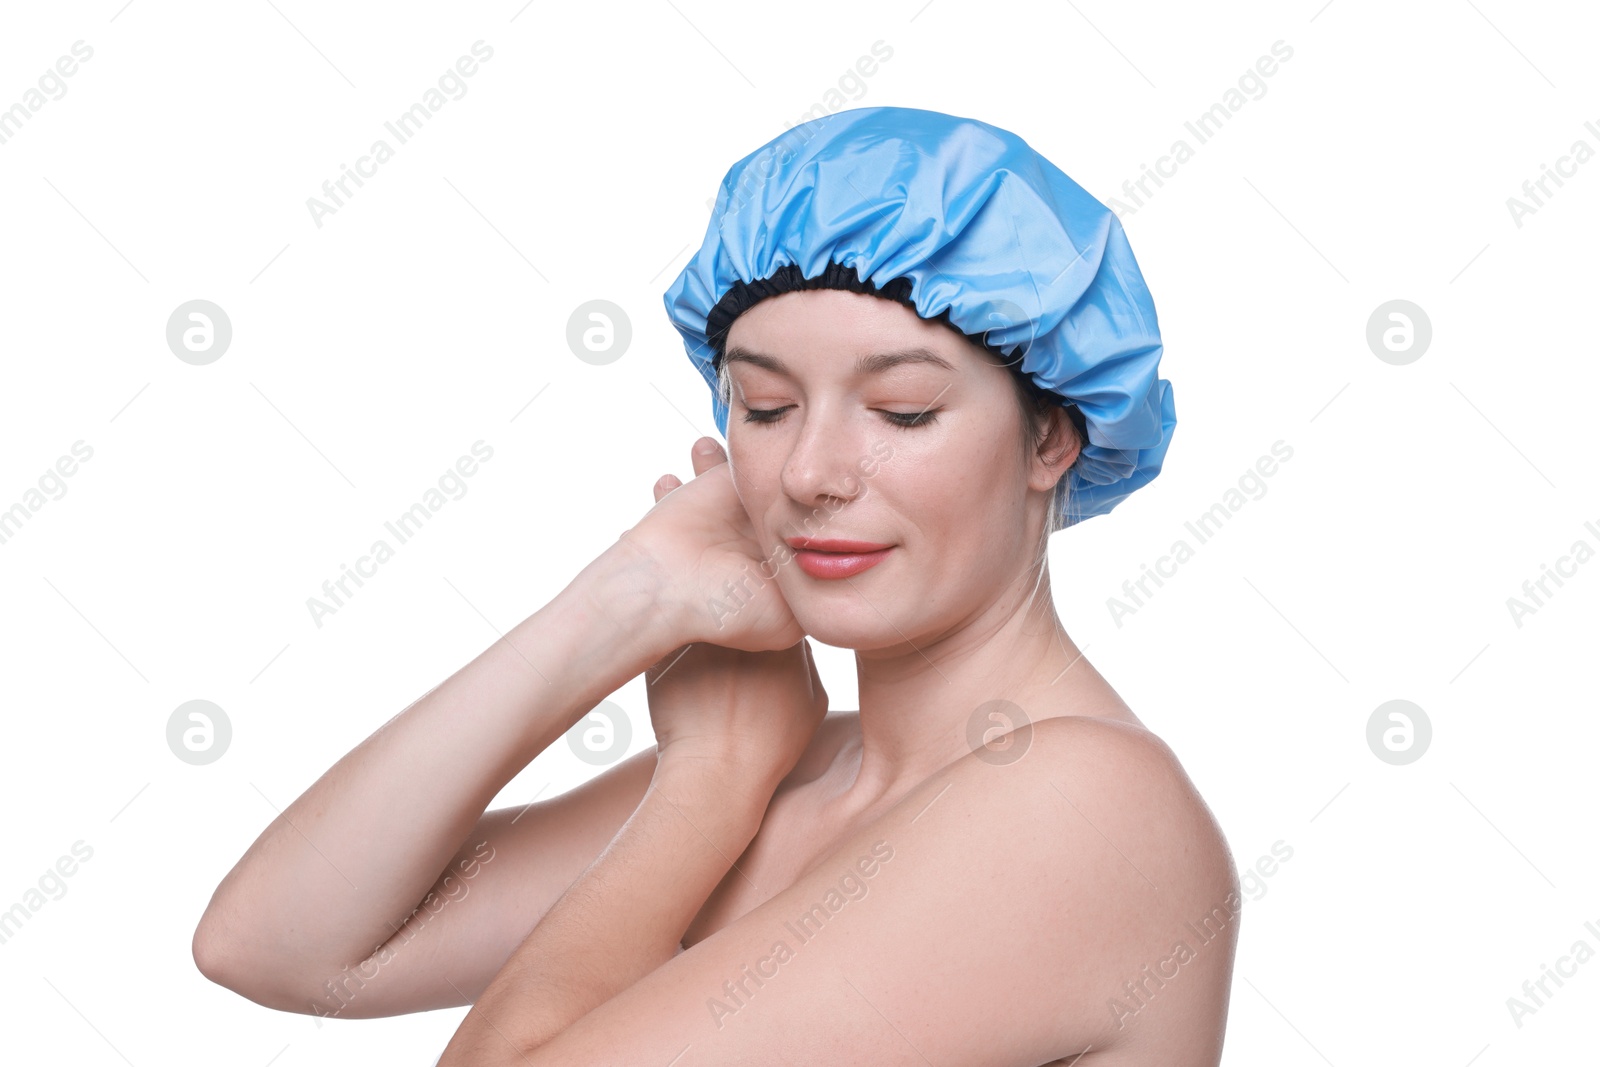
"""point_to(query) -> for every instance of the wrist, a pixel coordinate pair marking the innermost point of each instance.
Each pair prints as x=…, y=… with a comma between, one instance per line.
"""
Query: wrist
x=624, y=596
x=640, y=594
x=605, y=628
x=714, y=785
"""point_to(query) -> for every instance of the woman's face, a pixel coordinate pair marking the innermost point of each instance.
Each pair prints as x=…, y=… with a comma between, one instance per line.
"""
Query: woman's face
x=852, y=418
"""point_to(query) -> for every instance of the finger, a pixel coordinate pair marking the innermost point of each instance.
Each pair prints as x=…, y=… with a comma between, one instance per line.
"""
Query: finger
x=706, y=453
x=664, y=485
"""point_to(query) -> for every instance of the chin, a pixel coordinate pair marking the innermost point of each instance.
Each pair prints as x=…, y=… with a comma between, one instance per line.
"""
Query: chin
x=861, y=626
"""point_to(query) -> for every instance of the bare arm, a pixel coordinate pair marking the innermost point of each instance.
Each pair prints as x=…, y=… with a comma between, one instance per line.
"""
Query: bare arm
x=624, y=916
x=730, y=724
x=1024, y=913
x=339, y=872
x=733, y=725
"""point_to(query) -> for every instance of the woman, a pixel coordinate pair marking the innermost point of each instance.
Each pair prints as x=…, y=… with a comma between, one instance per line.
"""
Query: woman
x=935, y=350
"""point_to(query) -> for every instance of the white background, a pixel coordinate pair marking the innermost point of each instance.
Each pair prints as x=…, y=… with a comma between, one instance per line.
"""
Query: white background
x=372, y=351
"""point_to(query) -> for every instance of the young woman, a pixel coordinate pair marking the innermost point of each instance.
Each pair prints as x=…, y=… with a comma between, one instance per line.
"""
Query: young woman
x=935, y=350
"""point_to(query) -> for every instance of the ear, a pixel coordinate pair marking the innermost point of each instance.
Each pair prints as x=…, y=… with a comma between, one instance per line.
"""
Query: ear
x=1056, y=451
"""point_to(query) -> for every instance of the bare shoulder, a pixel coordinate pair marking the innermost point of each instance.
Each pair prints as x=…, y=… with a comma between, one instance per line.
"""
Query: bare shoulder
x=1144, y=861
x=1131, y=776
x=1123, y=896
x=1119, y=759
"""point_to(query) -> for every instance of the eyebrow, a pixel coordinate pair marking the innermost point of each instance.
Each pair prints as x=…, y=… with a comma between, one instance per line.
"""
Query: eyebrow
x=875, y=363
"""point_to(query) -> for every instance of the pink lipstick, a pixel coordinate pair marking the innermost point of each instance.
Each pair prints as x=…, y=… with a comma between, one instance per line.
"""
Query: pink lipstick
x=836, y=558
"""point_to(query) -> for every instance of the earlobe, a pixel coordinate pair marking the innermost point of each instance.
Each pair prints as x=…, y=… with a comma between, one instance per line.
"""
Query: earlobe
x=1059, y=450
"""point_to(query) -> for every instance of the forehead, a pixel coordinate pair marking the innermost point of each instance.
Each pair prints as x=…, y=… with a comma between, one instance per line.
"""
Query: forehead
x=848, y=325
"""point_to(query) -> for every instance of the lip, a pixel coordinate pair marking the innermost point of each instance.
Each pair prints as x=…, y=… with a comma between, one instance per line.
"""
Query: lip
x=814, y=544
x=834, y=559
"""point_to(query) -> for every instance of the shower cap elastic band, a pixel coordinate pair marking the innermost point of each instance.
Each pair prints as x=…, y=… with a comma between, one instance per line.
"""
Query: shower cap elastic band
x=962, y=222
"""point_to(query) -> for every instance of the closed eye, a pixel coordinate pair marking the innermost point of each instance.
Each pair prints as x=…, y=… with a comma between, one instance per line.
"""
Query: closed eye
x=910, y=419
x=903, y=419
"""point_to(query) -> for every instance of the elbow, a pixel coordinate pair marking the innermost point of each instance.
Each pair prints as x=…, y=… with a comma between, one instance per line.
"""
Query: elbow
x=211, y=957
x=222, y=961
x=219, y=961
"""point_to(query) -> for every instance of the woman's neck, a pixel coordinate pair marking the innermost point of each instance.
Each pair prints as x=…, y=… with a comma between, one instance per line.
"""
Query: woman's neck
x=930, y=703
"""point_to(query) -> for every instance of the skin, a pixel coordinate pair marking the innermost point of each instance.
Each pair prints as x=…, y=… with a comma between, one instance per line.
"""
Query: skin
x=938, y=627
x=1018, y=887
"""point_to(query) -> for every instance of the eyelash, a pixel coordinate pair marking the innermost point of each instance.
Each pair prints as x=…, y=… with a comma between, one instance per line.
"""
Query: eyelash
x=924, y=418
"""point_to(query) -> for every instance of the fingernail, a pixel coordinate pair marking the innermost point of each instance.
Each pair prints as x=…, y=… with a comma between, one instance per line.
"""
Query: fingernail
x=706, y=447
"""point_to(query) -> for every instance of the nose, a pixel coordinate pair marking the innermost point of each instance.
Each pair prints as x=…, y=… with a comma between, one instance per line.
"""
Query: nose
x=821, y=468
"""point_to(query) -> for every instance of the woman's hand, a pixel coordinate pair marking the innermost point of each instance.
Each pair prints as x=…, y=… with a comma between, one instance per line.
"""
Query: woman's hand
x=753, y=711
x=752, y=714
x=699, y=539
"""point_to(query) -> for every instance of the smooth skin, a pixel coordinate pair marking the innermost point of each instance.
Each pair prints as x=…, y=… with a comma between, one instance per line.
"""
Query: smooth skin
x=1057, y=893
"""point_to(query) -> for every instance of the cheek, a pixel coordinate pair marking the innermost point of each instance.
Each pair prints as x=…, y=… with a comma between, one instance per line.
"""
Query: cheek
x=754, y=470
x=973, y=491
x=969, y=469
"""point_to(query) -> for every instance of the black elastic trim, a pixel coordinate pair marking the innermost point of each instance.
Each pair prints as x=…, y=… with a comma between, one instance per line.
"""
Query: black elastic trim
x=787, y=279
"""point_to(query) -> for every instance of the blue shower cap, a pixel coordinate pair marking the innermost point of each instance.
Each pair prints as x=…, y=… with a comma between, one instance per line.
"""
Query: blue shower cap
x=960, y=221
